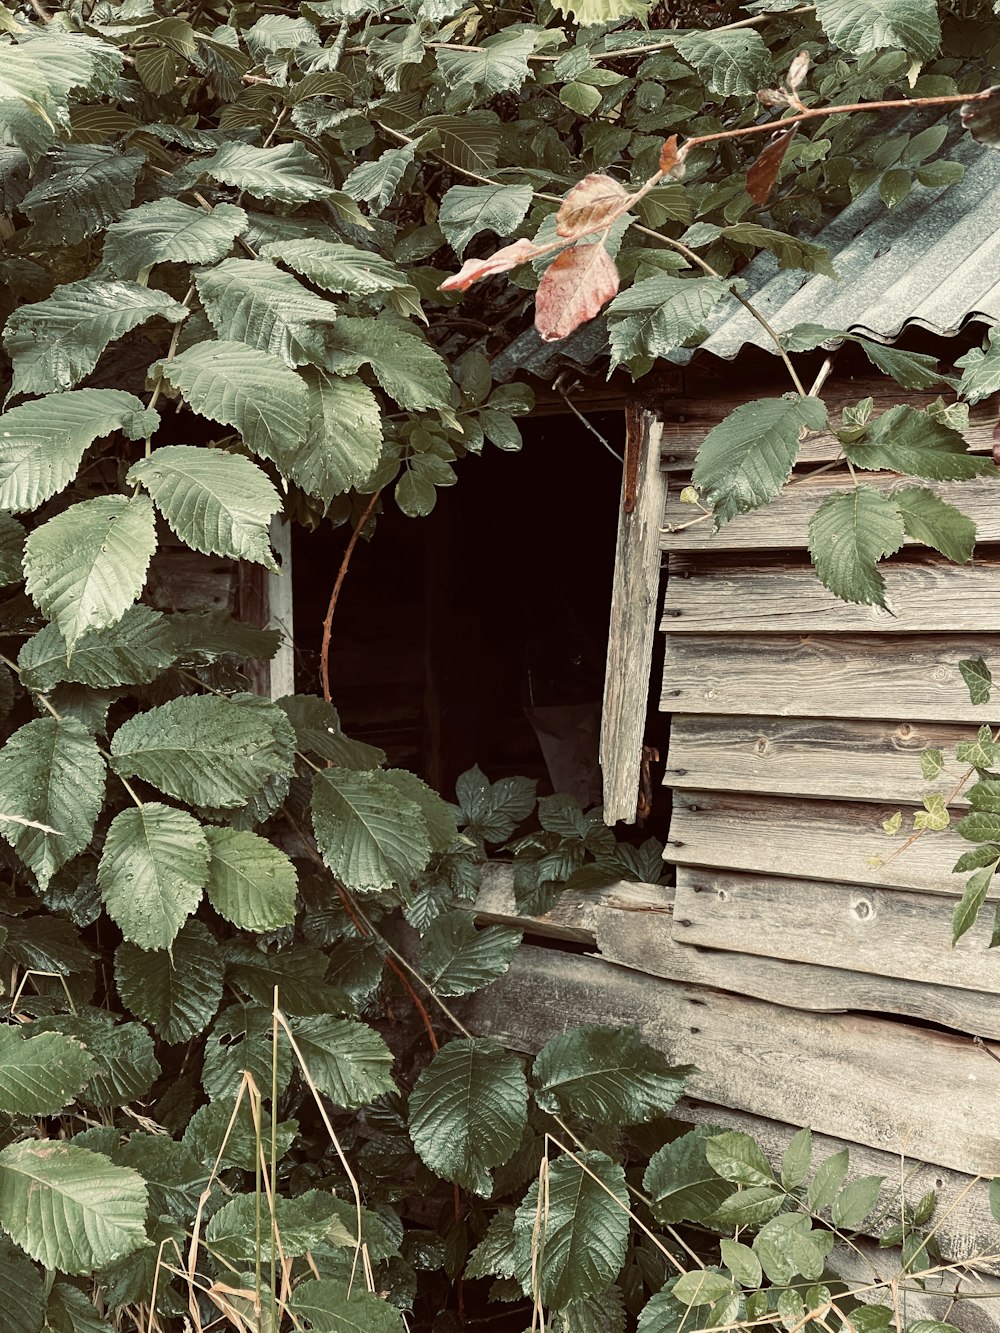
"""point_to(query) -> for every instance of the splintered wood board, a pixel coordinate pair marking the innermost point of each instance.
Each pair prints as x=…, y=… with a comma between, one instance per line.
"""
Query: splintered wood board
x=828, y=840
x=784, y=523
x=867, y=761
x=915, y=677
x=885, y=932
x=863, y=1079
x=575, y=914
x=706, y=595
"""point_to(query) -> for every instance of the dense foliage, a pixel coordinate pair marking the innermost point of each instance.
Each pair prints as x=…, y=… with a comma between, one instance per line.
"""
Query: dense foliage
x=226, y=233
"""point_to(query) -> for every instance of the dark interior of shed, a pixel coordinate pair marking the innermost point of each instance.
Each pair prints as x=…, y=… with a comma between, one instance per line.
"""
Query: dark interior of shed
x=479, y=634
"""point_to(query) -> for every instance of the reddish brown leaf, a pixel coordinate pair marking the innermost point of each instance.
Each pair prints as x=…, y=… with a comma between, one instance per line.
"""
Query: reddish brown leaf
x=668, y=155
x=475, y=269
x=996, y=444
x=764, y=172
x=593, y=202
x=573, y=289
x=797, y=71
x=982, y=119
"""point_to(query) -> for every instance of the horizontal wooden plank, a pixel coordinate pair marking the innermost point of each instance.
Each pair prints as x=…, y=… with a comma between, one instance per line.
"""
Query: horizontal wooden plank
x=886, y=932
x=914, y=677
x=574, y=916
x=827, y=840
x=829, y=757
x=927, y=595
x=650, y=945
x=867, y=1080
x=784, y=524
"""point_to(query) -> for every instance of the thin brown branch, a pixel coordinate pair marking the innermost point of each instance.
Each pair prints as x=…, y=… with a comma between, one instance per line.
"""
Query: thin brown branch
x=324, y=657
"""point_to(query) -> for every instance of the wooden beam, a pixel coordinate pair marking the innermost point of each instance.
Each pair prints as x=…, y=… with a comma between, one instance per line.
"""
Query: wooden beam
x=862, y=1079
x=825, y=675
x=575, y=915
x=633, y=619
x=281, y=678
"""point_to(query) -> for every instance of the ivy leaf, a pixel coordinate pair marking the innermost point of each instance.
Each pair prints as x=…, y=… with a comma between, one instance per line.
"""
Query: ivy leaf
x=932, y=763
x=177, y=992
x=288, y=172
x=579, y=1238
x=343, y=441
x=375, y=183
x=934, y=816
x=872, y=25
x=607, y=1076
x=468, y=1110
x=245, y=388
x=848, y=535
x=328, y=1304
x=682, y=1185
x=216, y=502
x=250, y=881
x=907, y=440
x=981, y=369
x=978, y=678
x=254, y=302
x=574, y=287
x=982, y=753
x=745, y=460
x=467, y=210
x=204, y=750
x=653, y=317
x=42, y=443
x=85, y=567
x=941, y=526
x=891, y=826
x=51, y=774
x=167, y=231
x=347, y=1060
x=69, y=1208
x=968, y=907
x=500, y=66
x=370, y=836
x=40, y=1075
x=457, y=958
x=56, y=342
x=734, y=64
x=85, y=187
x=152, y=873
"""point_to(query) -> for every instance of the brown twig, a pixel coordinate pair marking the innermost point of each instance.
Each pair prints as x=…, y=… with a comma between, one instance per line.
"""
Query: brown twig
x=324, y=656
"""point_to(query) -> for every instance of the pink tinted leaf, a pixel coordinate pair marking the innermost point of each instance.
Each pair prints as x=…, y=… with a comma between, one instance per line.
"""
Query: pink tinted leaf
x=797, y=71
x=573, y=289
x=764, y=172
x=593, y=202
x=773, y=97
x=672, y=158
x=473, y=270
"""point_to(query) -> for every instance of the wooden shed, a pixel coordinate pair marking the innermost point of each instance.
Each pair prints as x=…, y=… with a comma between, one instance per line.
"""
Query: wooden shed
x=805, y=970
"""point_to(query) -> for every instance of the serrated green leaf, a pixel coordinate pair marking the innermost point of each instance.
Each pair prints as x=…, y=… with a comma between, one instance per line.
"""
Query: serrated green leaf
x=157, y=68
x=216, y=502
x=299, y=974
x=494, y=1255
x=978, y=679
x=254, y=302
x=375, y=183
x=745, y=461
x=167, y=231
x=85, y=567
x=288, y=172
x=737, y=1158
x=245, y=388
x=681, y=1184
x=980, y=826
x=405, y=364
x=40, y=1075
x=203, y=637
x=326, y=1304
x=370, y=836
x=457, y=958
x=303, y=1223
x=827, y=1181
x=748, y=1207
x=317, y=731
x=338, y=268
x=732, y=63
x=347, y=1060
x=588, y=12
x=250, y=881
x=499, y=66
x=663, y=1313
x=242, y=1039
x=655, y=317
x=981, y=369
x=702, y=1287
x=968, y=907
x=941, y=526
x=934, y=815
x=855, y=1201
x=152, y=873
x=580, y=1236
x=468, y=1110
x=790, y=251
x=741, y=1262
x=125, y=1065
x=606, y=1075
x=205, y=750
x=848, y=535
x=56, y=342
x=493, y=810
x=82, y=188
x=438, y=815
x=22, y=1296
x=70, y=1209
x=343, y=441
x=788, y=1247
x=907, y=440
x=133, y=652
x=209, y=1137
x=176, y=992
x=467, y=210
x=913, y=370
x=872, y=25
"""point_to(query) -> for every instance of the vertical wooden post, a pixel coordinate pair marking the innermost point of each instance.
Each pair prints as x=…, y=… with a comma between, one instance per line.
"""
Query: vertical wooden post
x=280, y=615
x=633, y=617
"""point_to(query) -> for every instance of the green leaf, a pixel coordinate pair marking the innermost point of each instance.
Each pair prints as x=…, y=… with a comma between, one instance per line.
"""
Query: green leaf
x=796, y=1159
x=242, y=1039
x=338, y=268
x=848, y=535
x=994, y=1195
x=245, y=388
x=467, y=210
x=375, y=183
x=748, y=1207
x=588, y=12
x=202, y=637
x=499, y=66
x=370, y=836
x=734, y=64
x=125, y=1063
x=42, y=443
x=931, y=1326
x=303, y=1223
x=702, y=1287
x=254, y=302
x=11, y=550
x=215, y=502
x=165, y=231
x=741, y=1262
x=212, y=1134
x=663, y=1314
x=980, y=826
x=85, y=567
x=468, y=1110
x=827, y=1181
x=977, y=677
x=737, y=1158
x=606, y=1075
x=745, y=461
x=932, y=764
x=930, y=520
x=913, y=370
x=69, y=1208
x=176, y=992
x=133, y=652
x=581, y=1233
x=343, y=441
x=82, y=189
x=968, y=907
x=981, y=369
x=493, y=810
x=405, y=364
x=934, y=815
x=287, y=172
x=872, y=25
x=787, y=1247
x=204, y=750
x=855, y=1201
x=156, y=67
x=40, y=1075
x=56, y=342
x=681, y=1184
x=494, y=1255
x=907, y=440
x=790, y=251
x=438, y=815
x=152, y=873
x=654, y=317
x=327, y=1305
x=250, y=882
x=22, y=1296
x=317, y=732
x=982, y=753
x=299, y=973
x=348, y=1061
x=457, y=958
x=891, y=826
